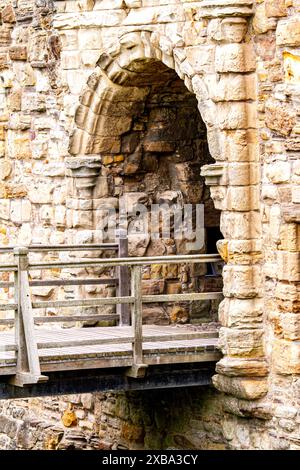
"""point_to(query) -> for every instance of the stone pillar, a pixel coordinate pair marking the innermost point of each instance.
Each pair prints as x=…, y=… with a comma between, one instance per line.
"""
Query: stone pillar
x=83, y=173
x=235, y=186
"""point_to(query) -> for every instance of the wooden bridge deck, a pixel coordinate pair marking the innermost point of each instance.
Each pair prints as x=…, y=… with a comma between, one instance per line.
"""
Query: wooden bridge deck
x=39, y=358
x=88, y=348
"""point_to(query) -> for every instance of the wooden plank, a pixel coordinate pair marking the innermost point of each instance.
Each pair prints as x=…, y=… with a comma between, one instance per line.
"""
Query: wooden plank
x=22, y=360
x=7, y=321
x=119, y=340
x=84, y=342
x=123, y=284
x=28, y=324
x=182, y=297
x=73, y=282
x=213, y=356
x=7, y=369
x=137, y=315
x=8, y=268
x=47, y=248
x=176, y=337
x=86, y=247
x=28, y=366
x=65, y=282
x=4, y=284
x=89, y=363
x=134, y=261
x=75, y=318
x=8, y=306
x=84, y=302
x=8, y=347
x=127, y=300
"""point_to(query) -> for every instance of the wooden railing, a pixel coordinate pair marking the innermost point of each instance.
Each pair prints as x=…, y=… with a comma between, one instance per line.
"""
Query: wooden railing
x=129, y=270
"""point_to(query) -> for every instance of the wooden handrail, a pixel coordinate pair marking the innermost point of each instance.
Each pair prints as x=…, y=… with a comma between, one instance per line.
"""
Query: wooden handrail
x=134, y=261
x=41, y=248
x=28, y=366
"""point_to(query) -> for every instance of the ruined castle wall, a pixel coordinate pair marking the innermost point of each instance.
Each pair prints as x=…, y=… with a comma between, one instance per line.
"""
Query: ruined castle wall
x=241, y=61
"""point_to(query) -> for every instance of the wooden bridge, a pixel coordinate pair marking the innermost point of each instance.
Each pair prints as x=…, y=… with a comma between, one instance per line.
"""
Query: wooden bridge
x=37, y=357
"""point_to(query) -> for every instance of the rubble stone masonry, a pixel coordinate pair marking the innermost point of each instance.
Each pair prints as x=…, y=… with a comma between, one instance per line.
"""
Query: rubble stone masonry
x=104, y=101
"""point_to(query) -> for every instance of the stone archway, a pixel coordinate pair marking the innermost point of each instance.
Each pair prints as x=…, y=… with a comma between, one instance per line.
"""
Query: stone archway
x=150, y=142
x=224, y=86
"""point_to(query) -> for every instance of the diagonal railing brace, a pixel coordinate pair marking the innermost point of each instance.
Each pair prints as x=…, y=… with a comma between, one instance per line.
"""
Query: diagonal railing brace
x=28, y=370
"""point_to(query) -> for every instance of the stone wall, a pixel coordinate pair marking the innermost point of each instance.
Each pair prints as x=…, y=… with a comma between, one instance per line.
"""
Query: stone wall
x=144, y=420
x=64, y=69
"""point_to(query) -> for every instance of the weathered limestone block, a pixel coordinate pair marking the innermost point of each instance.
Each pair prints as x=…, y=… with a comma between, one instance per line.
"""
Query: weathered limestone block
x=178, y=314
x=4, y=209
x=243, y=174
x=288, y=32
x=241, y=343
x=246, y=409
x=40, y=192
x=296, y=194
x=241, y=198
x=5, y=169
x=280, y=116
x=19, y=145
x=240, y=367
x=130, y=201
x=242, y=282
x=234, y=145
x=33, y=102
x=79, y=219
x=288, y=266
x=234, y=87
x=286, y=356
x=18, y=53
x=20, y=211
x=276, y=8
x=153, y=286
x=70, y=60
x=230, y=30
x=240, y=225
x=46, y=214
x=289, y=237
x=137, y=243
x=236, y=115
x=241, y=313
x=8, y=14
x=235, y=58
x=200, y=59
x=248, y=389
x=244, y=251
x=262, y=23
x=290, y=324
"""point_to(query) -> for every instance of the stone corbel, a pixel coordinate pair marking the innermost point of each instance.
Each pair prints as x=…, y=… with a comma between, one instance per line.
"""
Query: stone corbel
x=223, y=8
x=85, y=171
x=214, y=174
x=291, y=213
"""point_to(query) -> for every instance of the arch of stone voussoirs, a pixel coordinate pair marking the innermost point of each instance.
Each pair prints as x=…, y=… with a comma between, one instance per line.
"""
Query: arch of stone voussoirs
x=106, y=86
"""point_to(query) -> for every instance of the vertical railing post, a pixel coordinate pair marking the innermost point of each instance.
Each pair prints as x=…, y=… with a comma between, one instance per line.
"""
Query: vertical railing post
x=123, y=278
x=28, y=369
x=138, y=368
x=137, y=317
x=21, y=258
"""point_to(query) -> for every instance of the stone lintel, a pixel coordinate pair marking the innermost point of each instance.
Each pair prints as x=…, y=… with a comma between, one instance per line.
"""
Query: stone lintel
x=226, y=8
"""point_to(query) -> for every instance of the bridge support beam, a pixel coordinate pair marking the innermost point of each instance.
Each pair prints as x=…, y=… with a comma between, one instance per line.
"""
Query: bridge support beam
x=114, y=380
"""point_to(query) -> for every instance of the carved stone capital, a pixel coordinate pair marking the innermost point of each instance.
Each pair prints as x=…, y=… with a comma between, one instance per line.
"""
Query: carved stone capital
x=85, y=171
x=213, y=173
x=225, y=8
